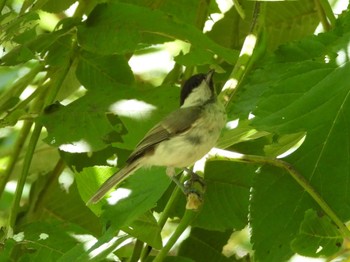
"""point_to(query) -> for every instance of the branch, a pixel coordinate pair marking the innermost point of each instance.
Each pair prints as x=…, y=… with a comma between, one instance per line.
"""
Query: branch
x=186, y=220
x=223, y=155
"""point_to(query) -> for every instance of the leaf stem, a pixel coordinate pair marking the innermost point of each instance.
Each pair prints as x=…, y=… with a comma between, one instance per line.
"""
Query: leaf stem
x=169, y=206
x=239, y=9
x=224, y=155
x=188, y=217
x=325, y=11
x=2, y=4
x=138, y=248
x=245, y=57
x=164, y=216
x=44, y=99
x=15, y=154
x=18, y=87
x=22, y=179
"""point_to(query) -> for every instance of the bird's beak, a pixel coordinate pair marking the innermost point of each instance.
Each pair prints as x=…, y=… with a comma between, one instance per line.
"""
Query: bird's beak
x=209, y=76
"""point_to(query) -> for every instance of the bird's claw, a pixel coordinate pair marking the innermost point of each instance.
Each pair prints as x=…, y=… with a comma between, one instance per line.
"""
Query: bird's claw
x=194, y=189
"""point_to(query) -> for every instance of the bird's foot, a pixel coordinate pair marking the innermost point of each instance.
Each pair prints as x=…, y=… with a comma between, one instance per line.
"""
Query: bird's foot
x=194, y=190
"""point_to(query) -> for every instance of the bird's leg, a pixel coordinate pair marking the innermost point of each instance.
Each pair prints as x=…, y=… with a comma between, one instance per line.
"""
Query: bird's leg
x=194, y=186
x=170, y=171
x=194, y=178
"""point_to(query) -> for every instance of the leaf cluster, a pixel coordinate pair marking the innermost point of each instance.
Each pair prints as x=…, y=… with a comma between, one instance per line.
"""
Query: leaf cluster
x=71, y=106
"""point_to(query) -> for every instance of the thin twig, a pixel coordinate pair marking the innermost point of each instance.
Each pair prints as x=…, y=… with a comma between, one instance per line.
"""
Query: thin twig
x=218, y=154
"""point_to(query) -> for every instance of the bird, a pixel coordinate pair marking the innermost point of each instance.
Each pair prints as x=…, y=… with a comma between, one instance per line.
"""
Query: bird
x=181, y=138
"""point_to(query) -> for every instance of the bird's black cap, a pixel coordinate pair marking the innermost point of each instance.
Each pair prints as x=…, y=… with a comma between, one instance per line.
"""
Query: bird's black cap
x=193, y=82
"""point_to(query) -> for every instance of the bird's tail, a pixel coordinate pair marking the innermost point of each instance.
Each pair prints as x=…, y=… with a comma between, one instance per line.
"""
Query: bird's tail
x=113, y=181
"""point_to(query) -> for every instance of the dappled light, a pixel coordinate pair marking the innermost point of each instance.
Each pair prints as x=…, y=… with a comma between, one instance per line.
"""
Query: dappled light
x=76, y=147
x=117, y=195
x=132, y=108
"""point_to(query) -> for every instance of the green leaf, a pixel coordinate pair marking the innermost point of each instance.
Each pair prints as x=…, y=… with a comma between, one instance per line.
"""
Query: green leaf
x=53, y=6
x=297, y=18
x=96, y=71
x=203, y=245
x=283, y=21
x=243, y=132
x=13, y=25
x=196, y=57
x=60, y=51
x=136, y=195
x=46, y=241
x=282, y=144
x=29, y=50
x=146, y=229
x=78, y=161
x=100, y=250
x=109, y=23
x=311, y=96
x=226, y=198
x=320, y=111
x=25, y=36
x=83, y=126
x=7, y=249
x=275, y=214
x=88, y=182
x=185, y=10
x=51, y=204
x=176, y=259
x=318, y=236
x=90, y=124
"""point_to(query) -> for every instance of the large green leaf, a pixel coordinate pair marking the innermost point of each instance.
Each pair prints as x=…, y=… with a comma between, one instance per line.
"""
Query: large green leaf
x=311, y=97
x=109, y=23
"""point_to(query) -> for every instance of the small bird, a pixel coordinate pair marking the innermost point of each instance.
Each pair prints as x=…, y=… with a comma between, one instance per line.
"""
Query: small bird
x=181, y=138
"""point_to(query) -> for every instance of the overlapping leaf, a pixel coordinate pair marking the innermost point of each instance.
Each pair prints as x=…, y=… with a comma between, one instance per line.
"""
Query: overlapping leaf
x=110, y=24
x=312, y=97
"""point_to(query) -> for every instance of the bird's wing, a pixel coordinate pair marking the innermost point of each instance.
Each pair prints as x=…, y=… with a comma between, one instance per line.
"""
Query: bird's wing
x=175, y=123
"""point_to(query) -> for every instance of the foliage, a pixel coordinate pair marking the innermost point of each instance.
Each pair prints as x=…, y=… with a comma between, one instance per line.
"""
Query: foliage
x=71, y=103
